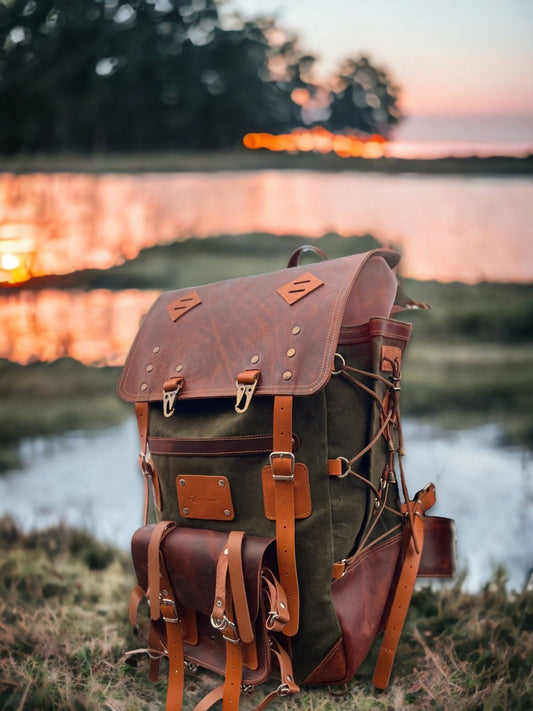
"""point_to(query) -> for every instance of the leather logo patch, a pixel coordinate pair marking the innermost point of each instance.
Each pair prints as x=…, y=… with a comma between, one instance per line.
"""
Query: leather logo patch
x=185, y=303
x=204, y=497
x=299, y=287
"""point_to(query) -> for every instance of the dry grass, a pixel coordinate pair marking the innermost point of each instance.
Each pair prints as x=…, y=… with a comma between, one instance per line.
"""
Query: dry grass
x=64, y=631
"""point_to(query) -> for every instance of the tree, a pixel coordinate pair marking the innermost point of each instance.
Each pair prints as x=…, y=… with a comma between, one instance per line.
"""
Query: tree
x=139, y=75
x=133, y=75
x=364, y=98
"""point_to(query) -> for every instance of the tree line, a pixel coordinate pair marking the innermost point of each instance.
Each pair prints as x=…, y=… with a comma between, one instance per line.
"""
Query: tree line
x=151, y=75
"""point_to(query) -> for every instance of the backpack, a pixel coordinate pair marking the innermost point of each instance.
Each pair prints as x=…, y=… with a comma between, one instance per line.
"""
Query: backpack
x=285, y=539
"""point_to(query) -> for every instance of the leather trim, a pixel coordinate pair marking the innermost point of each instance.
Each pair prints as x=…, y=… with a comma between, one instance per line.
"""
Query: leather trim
x=216, y=446
x=331, y=668
x=390, y=354
x=384, y=327
x=299, y=288
x=181, y=305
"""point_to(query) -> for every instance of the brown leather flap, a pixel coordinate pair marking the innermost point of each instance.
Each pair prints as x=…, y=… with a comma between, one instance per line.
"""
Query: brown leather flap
x=439, y=555
x=191, y=557
x=285, y=324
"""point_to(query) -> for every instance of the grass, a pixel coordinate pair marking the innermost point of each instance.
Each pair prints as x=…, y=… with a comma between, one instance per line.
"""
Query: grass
x=43, y=399
x=64, y=632
x=240, y=159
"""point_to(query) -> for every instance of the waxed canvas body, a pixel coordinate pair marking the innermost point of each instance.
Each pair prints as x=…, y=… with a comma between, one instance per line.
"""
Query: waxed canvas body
x=338, y=421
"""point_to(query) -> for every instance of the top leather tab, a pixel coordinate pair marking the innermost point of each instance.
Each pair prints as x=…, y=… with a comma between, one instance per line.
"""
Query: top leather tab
x=240, y=324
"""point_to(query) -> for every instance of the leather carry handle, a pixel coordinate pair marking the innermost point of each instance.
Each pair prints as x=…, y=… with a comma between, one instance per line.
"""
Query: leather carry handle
x=295, y=256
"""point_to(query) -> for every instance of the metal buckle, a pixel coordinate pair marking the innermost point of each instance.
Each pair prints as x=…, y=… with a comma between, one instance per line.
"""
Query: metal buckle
x=338, y=694
x=224, y=624
x=282, y=455
x=343, y=364
x=172, y=604
x=271, y=618
x=146, y=465
x=348, y=469
x=283, y=690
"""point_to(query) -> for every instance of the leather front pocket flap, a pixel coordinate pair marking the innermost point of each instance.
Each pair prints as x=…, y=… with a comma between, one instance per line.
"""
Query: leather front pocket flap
x=191, y=556
x=204, y=497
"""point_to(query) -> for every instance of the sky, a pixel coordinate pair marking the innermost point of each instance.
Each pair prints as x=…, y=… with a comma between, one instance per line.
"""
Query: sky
x=452, y=58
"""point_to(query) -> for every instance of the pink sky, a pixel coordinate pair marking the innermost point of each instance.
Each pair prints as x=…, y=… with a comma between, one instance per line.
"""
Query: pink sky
x=452, y=57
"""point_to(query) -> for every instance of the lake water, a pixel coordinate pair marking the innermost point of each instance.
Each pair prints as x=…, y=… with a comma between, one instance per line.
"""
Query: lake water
x=450, y=228
x=93, y=480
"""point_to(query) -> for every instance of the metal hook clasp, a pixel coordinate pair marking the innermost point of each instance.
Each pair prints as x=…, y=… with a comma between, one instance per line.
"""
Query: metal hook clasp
x=171, y=388
x=246, y=384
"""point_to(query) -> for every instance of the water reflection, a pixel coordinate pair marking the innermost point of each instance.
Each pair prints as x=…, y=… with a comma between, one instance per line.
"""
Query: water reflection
x=67, y=479
x=449, y=228
x=95, y=327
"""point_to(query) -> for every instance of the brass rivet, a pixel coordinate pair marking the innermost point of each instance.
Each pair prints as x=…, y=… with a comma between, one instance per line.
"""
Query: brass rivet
x=291, y=352
x=221, y=482
x=186, y=512
x=144, y=386
x=227, y=512
x=296, y=330
x=287, y=375
x=149, y=368
x=254, y=359
x=182, y=482
x=156, y=349
x=179, y=368
x=282, y=605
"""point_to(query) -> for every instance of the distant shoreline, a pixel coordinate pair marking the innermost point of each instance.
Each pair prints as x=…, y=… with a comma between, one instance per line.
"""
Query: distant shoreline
x=240, y=160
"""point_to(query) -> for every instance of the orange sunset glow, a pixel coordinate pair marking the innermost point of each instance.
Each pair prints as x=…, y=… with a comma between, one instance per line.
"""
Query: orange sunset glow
x=95, y=327
x=447, y=230
x=318, y=139
x=17, y=252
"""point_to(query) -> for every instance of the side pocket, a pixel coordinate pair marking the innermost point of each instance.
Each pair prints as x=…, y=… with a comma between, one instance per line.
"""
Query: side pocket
x=360, y=599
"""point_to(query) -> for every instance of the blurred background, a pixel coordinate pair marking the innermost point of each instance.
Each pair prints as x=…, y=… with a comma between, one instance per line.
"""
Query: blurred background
x=156, y=144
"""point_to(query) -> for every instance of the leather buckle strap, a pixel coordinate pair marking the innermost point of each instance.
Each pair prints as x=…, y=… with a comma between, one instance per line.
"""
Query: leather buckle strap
x=145, y=463
x=278, y=614
x=288, y=685
x=412, y=551
x=238, y=590
x=282, y=455
x=230, y=591
x=163, y=605
x=282, y=465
